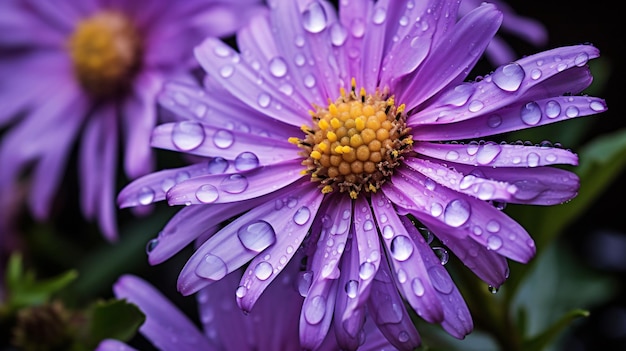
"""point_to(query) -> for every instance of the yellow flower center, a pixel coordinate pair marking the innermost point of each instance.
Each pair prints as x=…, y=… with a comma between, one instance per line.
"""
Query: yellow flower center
x=356, y=142
x=106, y=53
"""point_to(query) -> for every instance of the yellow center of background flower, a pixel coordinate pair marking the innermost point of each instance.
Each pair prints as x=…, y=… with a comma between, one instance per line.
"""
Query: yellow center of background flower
x=355, y=142
x=106, y=53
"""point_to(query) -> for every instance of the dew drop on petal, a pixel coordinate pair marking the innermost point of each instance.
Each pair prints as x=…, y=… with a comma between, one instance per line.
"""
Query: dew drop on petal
x=226, y=71
x=531, y=113
x=418, y=287
x=241, y=292
x=442, y=254
x=367, y=270
x=187, y=135
x=459, y=95
x=223, y=139
x=494, y=242
x=315, y=309
x=403, y=336
x=387, y=232
x=309, y=81
x=440, y=279
x=532, y=159
x=494, y=121
x=146, y=196
x=597, y=106
x=314, y=18
x=475, y=106
x=234, y=184
x=263, y=270
x=207, y=194
x=493, y=226
x=401, y=274
x=305, y=279
x=368, y=225
x=264, y=100
x=167, y=184
x=211, y=267
x=246, y=161
x=357, y=28
x=217, y=165
x=436, y=209
x=553, y=109
x=351, y=288
x=401, y=248
x=572, y=111
x=338, y=34
x=256, y=236
x=151, y=245
x=457, y=212
x=380, y=14
x=509, y=77
x=278, y=67
x=535, y=74
x=581, y=59
x=452, y=155
x=302, y=215
x=487, y=153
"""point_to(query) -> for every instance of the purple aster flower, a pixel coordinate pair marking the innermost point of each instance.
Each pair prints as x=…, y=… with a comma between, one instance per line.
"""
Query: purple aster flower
x=271, y=325
x=528, y=29
x=82, y=71
x=340, y=134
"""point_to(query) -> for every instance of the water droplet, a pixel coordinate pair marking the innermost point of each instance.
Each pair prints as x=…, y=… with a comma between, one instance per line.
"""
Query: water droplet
x=494, y=121
x=571, y=111
x=278, y=67
x=379, y=15
x=315, y=309
x=314, y=18
x=241, y=291
x=535, y=74
x=207, y=194
x=418, y=287
x=531, y=113
x=309, y=81
x=367, y=270
x=357, y=27
x=403, y=336
x=509, y=77
x=487, y=153
x=227, y=71
x=492, y=289
x=246, y=161
x=431, y=184
x=452, y=155
x=187, y=135
x=145, y=196
x=581, y=59
x=368, y=225
x=494, y=242
x=532, y=159
x=553, y=109
x=597, y=106
x=440, y=279
x=401, y=276
x=338, y=34
x=426, y=234
x=436, y=209
x=305, y=278
x=302, y=215
x=457, y=212
x=387, y=232
x=442, y=254
x=475, y=106
x=256, y=236
x=151, y=245
x=182, y=176
x=223, y=139
x=212, y=267
x=221, y=51
x=467, y=181
x=459, y=95
x=351, y=288
x=234, y=184
x=263, y=270
x=493, y=226
x=217, y=165
x=264, y=100
x=167, y=184
x=401, y=248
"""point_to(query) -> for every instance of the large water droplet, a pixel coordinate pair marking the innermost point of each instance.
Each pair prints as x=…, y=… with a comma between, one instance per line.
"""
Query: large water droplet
x=263, y=270
x=187, y=135
x=367, y=270
x=457, y=212
x=278, y=67
x=234, y=184
x=440, y=279
x=387, y=232
x=315, y=309
x=314, y=18
x=351, y=288
x=246, y=161
x=212, y=267
x=207, y=194
x=379, y=15
x=509, y=77
x=146, y=196
x=217, y=165
x=401, y=248
x=494, y=242
x=223, y=139
x=487, y=153
x=459, y=95
x=256, y=236
x=338, y=34
x=302, y=215
x=553, y=109
x=531, y=113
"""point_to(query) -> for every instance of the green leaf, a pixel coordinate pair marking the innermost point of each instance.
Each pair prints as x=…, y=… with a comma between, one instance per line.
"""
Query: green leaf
x=25, y=290
x=540, y=342
x=115, y=319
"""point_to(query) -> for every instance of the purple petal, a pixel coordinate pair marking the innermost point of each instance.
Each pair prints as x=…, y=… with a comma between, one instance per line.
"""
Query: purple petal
x=490, y=154
x=264, y=269
x=204, y=140
x=353, y=17
x=450, y=62
x=233, y=187
x=113, y=345
x=317, y=313
x=409, y=270
x=373, y=44
x=165, y=326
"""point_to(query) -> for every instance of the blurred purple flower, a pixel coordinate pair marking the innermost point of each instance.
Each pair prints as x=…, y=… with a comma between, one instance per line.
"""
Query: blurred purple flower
x=331, y=133
x=528, y=29
x=271, y=325
x=86, y=71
